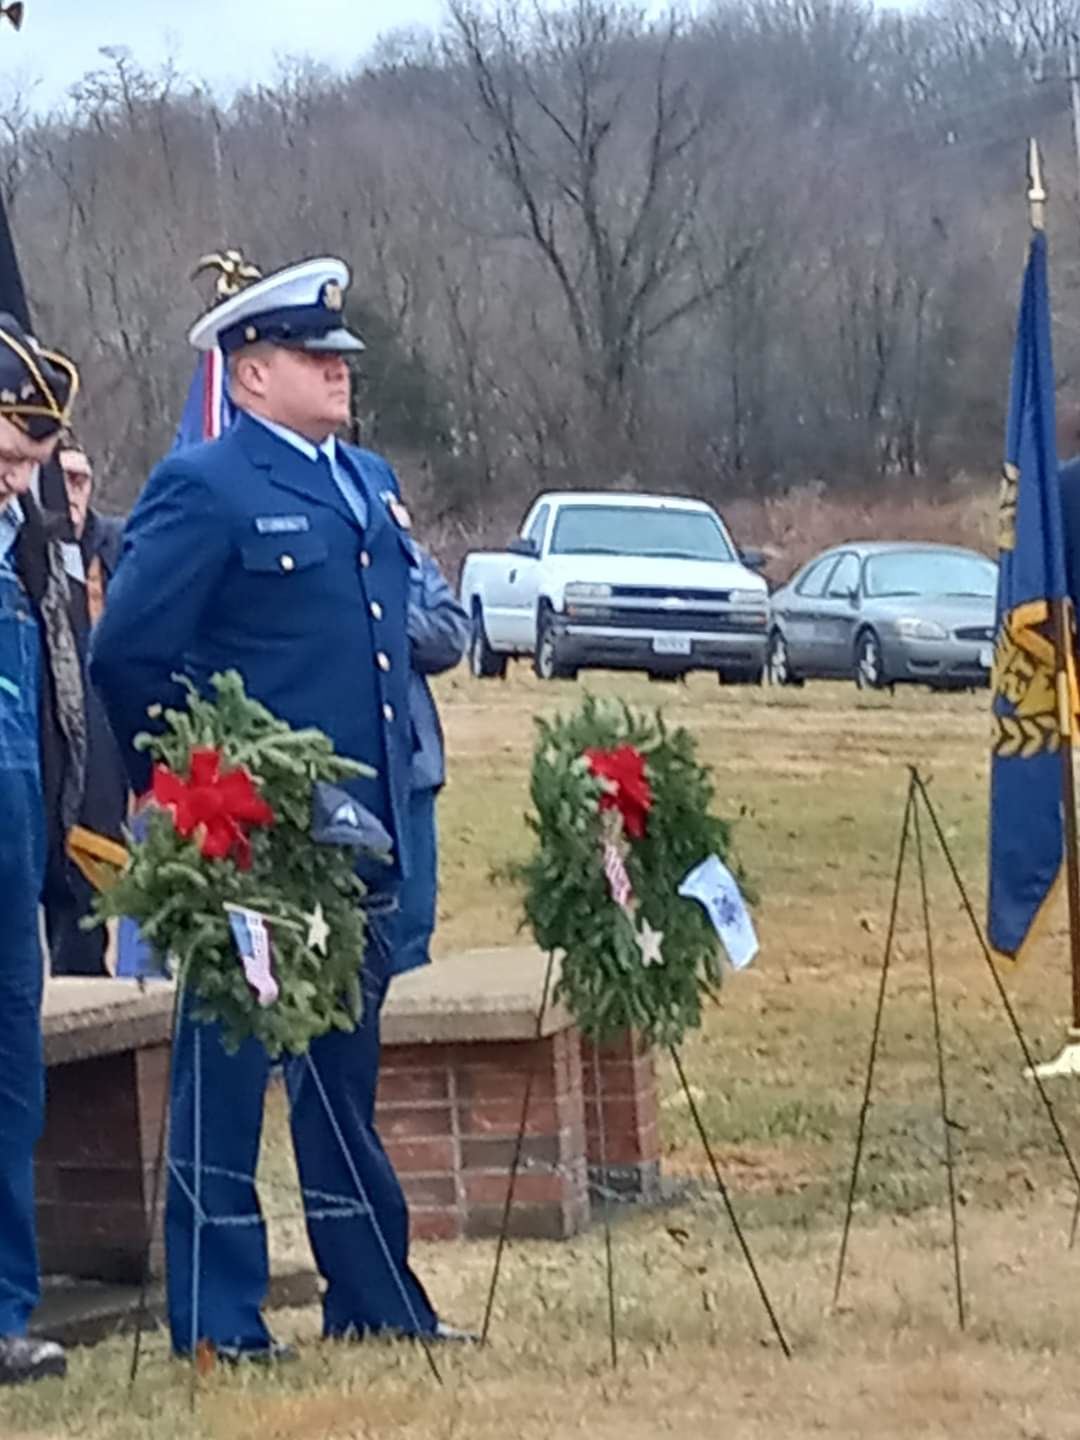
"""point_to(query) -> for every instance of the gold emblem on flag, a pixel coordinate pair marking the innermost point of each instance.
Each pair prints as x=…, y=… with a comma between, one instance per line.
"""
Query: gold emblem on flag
x=1025, y=680
x=1010, y=484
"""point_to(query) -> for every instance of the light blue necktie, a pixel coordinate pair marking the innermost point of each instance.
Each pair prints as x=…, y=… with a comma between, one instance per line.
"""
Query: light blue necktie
x=347, y=486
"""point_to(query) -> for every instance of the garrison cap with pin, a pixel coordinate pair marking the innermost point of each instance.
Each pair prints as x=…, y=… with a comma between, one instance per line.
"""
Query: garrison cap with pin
x=37, y=386
x=299, y=307
x=338, y=819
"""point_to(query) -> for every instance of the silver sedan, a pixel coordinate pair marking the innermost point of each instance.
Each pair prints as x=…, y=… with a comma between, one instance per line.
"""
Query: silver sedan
x=885, y=613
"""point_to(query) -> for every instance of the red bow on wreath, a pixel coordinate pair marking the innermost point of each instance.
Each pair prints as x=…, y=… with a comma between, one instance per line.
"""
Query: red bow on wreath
x=220, y=806
x=627, y=791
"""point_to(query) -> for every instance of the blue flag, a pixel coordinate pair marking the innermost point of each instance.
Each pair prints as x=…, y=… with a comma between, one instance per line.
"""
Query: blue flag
x=207, y=410
x=1029, y=718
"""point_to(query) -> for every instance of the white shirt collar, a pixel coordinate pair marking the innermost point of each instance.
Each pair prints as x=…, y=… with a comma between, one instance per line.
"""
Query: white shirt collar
x=12, y=514
x=11, y=522
x=299, y=442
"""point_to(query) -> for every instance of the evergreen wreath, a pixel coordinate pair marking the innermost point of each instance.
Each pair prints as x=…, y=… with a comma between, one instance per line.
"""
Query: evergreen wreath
x=230, y=826
x=621, y=815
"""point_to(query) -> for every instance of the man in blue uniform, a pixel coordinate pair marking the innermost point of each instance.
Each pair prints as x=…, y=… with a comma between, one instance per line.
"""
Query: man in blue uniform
x=40, y=769
x=438, y=634
x=278, y=552
x=67, y=897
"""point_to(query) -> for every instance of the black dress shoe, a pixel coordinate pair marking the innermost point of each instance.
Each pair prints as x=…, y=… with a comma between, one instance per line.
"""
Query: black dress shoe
x=24, y=1358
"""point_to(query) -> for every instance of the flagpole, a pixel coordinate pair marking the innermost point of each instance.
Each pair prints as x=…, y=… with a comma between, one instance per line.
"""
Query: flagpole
x=1060, y=609
x=1062, y=640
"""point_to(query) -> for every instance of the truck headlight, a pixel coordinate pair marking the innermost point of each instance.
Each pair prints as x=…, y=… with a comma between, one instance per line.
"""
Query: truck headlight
x=751, y=599
x=912, y=628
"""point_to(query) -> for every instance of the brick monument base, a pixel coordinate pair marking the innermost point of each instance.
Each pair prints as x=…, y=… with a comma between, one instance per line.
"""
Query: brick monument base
x=460, y=1042
x=627, y=1165
x=107, y=1058
x=449, y=1116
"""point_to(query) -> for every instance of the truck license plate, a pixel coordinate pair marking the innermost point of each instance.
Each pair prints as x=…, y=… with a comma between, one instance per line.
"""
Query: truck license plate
x=986, y=656
x=671, y=644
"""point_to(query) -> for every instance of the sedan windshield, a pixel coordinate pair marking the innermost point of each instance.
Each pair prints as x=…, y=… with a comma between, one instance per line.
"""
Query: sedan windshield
x=930, y=572
x=640, y=530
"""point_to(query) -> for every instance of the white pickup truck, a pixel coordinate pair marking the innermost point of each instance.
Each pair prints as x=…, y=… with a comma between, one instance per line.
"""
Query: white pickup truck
x=632, y=582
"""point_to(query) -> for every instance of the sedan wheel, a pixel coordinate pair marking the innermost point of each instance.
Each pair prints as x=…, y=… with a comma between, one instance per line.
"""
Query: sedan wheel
x=869, y=664
x=777, y=664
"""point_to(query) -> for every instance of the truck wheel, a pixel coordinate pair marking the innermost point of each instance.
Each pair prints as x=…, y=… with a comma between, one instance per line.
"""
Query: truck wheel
x=484, y=662
x=546, y=662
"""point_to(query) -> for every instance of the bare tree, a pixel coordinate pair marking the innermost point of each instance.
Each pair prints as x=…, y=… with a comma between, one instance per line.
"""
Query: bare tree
x=607, y=182
x=773, y=243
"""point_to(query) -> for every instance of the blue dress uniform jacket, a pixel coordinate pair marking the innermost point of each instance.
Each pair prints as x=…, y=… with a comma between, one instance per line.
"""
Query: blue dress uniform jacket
x=244, y=554
x=438, y=629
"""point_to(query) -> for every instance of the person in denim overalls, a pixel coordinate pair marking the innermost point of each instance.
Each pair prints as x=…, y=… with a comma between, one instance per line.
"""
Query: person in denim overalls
x=36, y=389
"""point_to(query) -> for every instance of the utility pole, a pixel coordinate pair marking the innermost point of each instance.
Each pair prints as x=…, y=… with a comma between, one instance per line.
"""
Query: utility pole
x=219, y=194
x=1074, y=94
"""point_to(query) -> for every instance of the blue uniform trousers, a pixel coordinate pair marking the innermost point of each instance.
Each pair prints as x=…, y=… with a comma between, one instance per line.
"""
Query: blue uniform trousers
x=22, y=868
x=370, y=1286
x=413, y=923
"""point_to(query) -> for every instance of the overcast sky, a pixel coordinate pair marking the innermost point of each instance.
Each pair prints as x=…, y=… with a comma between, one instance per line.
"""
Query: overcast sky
x=227, y=42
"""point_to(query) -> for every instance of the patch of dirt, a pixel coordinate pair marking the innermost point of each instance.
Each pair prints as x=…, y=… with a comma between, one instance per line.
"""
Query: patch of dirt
x=750, y=1169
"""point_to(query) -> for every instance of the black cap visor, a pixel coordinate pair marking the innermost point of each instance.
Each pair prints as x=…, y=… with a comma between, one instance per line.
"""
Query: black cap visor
x=333, y=342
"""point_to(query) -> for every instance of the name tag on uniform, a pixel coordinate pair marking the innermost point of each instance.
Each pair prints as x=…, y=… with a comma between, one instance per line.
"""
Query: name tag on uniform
x=281, y=524
x=73, y=561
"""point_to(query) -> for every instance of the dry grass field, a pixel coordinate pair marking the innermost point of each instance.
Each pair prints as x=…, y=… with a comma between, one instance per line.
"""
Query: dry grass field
x=816, y=779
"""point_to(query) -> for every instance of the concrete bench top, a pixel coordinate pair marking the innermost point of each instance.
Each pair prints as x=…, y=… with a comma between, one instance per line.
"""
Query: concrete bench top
x=478, y=995
x=83, y=1018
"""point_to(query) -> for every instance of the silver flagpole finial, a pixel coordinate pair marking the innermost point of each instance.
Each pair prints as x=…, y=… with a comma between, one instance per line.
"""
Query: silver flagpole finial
x=1036, y=192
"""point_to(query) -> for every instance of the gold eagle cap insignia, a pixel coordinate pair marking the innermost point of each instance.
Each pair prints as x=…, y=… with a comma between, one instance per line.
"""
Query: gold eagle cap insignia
x=234, y=273
x=333, y=297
